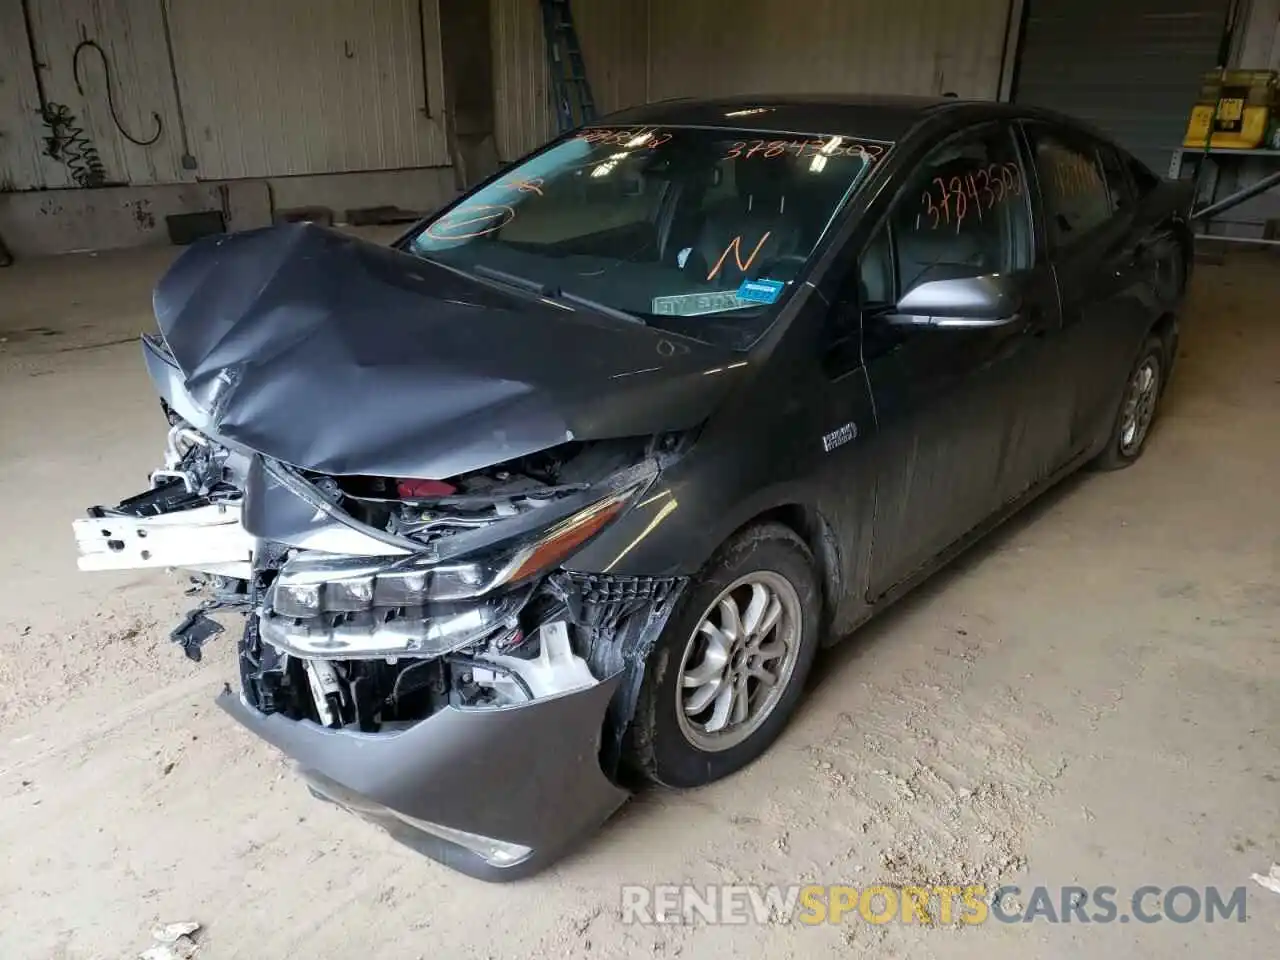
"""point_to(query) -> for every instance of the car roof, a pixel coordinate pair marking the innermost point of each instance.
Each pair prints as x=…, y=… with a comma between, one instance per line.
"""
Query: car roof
x=865, y=116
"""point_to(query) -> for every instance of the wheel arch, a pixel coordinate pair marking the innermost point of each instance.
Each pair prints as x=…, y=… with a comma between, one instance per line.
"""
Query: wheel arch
x=808, y=523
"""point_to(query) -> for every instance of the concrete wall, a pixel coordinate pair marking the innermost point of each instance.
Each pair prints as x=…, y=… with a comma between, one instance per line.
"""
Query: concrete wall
x=44, y=222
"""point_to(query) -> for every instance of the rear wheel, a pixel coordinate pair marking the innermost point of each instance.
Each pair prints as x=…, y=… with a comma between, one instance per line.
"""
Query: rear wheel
x=1137, y=409
x=730, y=666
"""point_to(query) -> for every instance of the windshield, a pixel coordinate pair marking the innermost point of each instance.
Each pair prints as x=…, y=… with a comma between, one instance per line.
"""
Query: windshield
x=697, y=231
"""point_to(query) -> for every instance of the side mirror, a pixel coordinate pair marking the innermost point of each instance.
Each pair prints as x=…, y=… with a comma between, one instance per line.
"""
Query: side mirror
x=988, y=301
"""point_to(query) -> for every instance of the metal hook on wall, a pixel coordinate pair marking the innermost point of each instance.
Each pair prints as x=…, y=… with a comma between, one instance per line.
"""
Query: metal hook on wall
x=81, y=47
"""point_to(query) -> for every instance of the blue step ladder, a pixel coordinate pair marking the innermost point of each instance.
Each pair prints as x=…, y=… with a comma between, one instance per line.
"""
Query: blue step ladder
x=570, y=92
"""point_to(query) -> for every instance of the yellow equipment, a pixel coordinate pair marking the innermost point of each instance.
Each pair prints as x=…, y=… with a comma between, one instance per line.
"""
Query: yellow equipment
x=1233, y=109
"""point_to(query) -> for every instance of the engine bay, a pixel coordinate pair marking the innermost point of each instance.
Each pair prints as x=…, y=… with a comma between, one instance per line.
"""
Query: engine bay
x=431, y=510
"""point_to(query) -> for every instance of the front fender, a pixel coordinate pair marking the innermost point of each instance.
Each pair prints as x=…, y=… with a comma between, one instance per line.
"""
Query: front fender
x=677, y=527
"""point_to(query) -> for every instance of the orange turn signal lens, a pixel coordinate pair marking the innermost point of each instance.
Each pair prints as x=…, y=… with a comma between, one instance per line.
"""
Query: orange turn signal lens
x=562, y=539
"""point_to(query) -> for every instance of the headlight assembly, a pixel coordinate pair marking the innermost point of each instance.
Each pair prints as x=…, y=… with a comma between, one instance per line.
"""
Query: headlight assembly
x=564, y=538
x=312, y=584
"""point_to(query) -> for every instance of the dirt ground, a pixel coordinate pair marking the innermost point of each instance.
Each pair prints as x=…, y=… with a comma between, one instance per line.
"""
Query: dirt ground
x=1091, y=697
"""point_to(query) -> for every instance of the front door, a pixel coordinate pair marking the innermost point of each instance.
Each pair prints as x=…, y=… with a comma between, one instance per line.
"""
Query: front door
x=949, y=403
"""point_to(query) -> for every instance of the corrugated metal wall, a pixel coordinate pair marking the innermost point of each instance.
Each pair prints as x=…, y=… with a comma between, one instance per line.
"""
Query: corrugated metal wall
x=1133, y=68
x=307, y=86
x=713, y=47
x=522, y=110
x=289, y=87
x=131, y=34
x=614, y=37
x=20, y=164
x=613, y=34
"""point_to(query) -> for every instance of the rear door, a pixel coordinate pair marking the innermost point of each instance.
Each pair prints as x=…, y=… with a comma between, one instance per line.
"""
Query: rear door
x=1105, y=265
x=950, y=403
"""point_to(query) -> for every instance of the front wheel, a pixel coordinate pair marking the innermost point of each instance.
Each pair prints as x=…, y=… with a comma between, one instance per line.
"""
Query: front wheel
x=1137, y=409
x=730, y=666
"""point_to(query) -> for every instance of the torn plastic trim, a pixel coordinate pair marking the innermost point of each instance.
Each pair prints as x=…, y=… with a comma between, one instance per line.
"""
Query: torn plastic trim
x=621, y=619
x=556, y=669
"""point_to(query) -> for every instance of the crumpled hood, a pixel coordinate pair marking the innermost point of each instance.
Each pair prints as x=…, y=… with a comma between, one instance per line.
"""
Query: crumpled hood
x=341, y=356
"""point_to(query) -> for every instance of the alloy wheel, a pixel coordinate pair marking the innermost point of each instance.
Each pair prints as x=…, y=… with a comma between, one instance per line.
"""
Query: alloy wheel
x=739, y=661
x=1139, y=406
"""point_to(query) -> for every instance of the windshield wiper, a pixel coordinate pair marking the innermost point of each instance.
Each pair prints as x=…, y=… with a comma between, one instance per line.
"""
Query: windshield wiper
x=514, y=280
x=598, y=307
x=483, y=273
x=554, y=293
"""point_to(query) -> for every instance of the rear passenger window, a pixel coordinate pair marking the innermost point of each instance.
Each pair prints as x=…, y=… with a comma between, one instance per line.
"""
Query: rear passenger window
x=1073, y=186
x=963, y=212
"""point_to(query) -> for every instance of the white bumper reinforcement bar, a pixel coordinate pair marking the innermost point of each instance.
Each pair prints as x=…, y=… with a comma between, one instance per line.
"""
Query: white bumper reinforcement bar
x=209, y=539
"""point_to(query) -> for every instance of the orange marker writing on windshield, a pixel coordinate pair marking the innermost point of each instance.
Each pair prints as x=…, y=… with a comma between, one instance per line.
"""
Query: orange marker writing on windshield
x=735, y=247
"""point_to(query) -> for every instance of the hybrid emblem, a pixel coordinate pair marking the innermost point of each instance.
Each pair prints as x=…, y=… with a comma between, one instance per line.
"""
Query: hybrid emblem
x=839, y=437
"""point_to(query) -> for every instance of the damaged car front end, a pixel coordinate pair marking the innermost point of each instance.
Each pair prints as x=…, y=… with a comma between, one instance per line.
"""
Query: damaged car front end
x=410, y=686
x=439, y=654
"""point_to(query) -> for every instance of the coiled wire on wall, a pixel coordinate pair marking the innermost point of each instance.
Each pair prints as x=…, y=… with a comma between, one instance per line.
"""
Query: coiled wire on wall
x=67, y=141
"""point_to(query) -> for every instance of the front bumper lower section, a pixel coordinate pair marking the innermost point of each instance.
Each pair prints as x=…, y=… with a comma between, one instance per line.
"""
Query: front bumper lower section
x=495, y=793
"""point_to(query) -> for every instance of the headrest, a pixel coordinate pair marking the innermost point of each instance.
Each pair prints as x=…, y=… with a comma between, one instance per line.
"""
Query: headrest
x=763, y=180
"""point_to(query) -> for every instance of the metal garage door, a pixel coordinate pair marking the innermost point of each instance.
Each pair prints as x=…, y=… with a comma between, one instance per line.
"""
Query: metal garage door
x=1130, y=66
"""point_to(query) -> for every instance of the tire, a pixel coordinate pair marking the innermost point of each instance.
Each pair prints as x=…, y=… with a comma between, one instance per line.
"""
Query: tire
x=667, y=745
x=1138, y=406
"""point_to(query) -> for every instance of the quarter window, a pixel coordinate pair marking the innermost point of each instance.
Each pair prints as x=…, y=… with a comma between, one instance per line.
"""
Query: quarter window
x=875, y=271
x=1073, y=186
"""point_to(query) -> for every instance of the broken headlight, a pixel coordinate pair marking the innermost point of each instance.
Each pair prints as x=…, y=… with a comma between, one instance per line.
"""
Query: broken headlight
x=427, y=631
x=313, y=584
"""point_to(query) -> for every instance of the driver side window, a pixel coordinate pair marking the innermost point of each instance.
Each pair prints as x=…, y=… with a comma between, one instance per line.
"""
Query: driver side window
x=962, y=213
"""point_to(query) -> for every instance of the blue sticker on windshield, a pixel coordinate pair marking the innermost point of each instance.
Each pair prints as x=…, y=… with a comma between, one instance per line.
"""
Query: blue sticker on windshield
x=761, y=291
